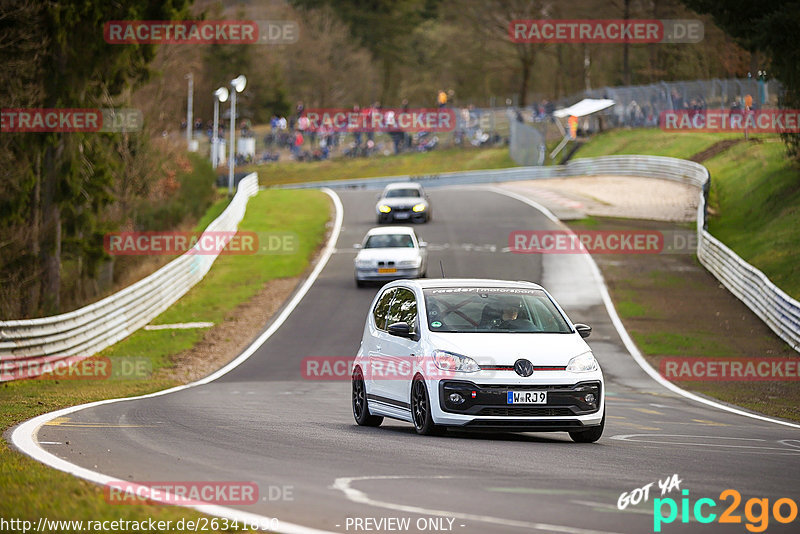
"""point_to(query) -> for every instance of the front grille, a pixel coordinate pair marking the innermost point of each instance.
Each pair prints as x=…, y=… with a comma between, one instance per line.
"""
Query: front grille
x=504, y=387
x=526, y=411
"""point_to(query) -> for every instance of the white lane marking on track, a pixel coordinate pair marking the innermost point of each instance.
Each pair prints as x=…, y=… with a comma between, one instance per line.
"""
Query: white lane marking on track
x=343, y=484
x=613, y=508
x=623, y=334
x=629, y=437
x=24, y=435
x=791, y=442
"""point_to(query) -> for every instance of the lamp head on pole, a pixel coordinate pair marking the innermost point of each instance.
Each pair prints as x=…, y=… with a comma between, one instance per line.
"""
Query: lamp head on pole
x=239, y=82
x=221, y=94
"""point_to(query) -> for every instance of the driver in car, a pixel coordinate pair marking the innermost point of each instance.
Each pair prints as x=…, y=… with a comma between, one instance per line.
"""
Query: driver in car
x=510, y=319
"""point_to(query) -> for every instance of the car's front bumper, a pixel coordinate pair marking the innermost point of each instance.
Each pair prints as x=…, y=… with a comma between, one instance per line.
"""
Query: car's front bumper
x=372, y=274
x=403, y=216
x=485, y=403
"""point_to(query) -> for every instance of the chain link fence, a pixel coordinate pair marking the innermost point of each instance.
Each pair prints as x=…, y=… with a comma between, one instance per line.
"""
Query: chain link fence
x=637, y=106
x=640, y=105
x=527, y=145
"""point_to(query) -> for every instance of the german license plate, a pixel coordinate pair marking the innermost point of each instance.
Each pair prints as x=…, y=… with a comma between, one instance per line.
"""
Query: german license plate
x=527, y=397
x=387, y=270
x=401, y=215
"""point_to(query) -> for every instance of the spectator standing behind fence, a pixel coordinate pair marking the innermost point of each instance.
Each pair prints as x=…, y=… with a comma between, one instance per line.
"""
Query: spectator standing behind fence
x=298, y=142
x=441, y=98
x=573, y=126
x=406, y=135
x=372, y=111
x=357, y=133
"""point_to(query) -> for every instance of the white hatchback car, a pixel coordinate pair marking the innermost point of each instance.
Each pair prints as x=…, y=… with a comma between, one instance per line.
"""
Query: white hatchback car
x=476, y=354
x=389, y=253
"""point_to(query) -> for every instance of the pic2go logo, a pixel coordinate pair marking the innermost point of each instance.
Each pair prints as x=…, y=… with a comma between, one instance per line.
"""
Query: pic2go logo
x=756, y=511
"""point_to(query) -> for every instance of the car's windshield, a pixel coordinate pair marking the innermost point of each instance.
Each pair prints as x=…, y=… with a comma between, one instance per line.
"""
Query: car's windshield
x=396, y=193
x=487, y=309
x=389, y=241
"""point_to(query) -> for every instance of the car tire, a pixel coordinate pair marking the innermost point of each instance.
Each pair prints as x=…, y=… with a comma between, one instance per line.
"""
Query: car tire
x=421, y=409
x=591, y=435
x=359, y=402
x=360, y=283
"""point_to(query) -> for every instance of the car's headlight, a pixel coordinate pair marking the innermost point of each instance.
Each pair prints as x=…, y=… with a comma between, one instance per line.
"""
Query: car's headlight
x=411, y=263
x=418, y=207
x=450, y=361
x=362, y=264
x=384, y=208
x=584, y=363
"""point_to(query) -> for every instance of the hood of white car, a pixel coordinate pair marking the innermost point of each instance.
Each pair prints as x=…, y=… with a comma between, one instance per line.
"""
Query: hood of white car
x=498, y=348
x=388, y=254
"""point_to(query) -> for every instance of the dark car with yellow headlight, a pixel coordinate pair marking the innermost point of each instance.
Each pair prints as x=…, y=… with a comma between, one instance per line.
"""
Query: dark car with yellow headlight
x=403, y=202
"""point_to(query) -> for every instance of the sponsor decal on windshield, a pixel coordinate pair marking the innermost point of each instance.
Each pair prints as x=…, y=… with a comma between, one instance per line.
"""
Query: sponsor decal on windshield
x=506, y=290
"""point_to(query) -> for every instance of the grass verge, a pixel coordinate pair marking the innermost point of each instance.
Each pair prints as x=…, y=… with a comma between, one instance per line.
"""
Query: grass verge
x=672, y=307
x=30, y=490
x=755, y=192
x=650, y=141
x=416, y=163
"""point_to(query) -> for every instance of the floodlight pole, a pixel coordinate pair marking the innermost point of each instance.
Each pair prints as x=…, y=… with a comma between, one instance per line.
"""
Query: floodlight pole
x=189, y=105
x=237, y=84
x=231, y=153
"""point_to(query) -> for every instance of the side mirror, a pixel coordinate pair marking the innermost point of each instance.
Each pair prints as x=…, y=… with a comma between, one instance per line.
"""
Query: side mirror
x=400, y=330
x=583, y=329
x=357, y=246
x=423, y=244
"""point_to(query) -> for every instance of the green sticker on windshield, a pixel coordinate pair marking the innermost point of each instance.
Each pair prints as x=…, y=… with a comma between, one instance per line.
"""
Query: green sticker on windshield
x=436, y=324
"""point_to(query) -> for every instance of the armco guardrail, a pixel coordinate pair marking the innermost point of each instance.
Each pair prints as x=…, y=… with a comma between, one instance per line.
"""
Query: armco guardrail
x=777, y=309
x=28, y=346
x=649, y=166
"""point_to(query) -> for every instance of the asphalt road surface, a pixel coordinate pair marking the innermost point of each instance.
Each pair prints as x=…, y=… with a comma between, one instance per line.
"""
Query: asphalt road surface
x=263, y=422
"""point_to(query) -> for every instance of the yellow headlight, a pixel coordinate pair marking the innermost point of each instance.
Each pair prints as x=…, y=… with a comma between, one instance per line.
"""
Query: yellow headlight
x=418, y=208
x=384, y=209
